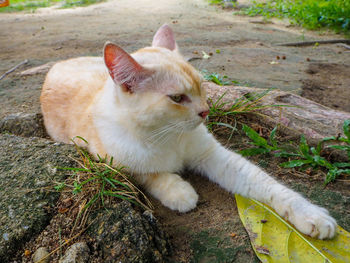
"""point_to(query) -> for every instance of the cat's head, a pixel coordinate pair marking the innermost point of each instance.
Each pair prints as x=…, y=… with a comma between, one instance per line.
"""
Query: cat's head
x=156, y=85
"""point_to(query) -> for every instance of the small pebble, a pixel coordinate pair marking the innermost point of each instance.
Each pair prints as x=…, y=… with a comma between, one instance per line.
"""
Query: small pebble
x=76, y=253
x=40, y=253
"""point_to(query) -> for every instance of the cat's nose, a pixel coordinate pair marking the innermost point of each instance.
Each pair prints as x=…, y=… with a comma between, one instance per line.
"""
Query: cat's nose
x=203, y=114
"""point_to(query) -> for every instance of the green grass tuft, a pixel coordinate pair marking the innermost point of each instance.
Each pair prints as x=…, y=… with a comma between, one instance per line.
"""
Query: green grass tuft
x=100, y=181
x=223, y=112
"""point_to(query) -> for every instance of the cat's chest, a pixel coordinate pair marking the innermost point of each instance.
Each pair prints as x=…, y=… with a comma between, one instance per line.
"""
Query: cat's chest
x=143, y=157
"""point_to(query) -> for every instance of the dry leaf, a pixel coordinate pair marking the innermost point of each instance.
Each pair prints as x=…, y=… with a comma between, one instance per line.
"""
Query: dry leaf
x=276, y=240
x=62, y=210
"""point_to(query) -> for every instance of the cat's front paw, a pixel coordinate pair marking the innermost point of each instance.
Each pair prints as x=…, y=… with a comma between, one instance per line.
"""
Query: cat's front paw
x=180, y=196
x=312, y=220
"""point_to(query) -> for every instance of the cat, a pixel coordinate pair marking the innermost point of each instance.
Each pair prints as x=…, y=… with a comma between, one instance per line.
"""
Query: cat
x=147, y=111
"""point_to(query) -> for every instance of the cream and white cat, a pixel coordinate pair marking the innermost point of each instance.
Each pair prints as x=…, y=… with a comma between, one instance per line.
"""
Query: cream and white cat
x=147, y=111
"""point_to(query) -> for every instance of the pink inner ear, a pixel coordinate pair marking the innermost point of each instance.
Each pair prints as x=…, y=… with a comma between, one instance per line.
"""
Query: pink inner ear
x=164, y=38
x=123, y=69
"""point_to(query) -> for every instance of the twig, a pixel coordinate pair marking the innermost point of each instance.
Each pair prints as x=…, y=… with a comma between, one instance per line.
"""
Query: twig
x=13, y=69
x=310, y=43
x=344, y=45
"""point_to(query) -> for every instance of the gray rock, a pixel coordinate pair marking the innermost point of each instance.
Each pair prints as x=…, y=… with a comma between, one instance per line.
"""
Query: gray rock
x=28, y=170
x=24, y=124
x=41, y=253
x=76, y=253
x=123, y=234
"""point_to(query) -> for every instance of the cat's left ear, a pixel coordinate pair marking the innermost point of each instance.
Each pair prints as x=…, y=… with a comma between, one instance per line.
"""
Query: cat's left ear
x=164, y=37
x=124, y=69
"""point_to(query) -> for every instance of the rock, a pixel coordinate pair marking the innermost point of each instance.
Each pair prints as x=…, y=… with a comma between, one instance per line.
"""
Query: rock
x=28, y=170
x=24, y=124
x=301, y=115
x=125, y=235
x=40, y=253
x=76, y=253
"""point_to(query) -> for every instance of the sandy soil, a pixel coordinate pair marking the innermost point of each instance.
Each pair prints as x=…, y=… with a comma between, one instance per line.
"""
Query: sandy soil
x=247, y=48
x=247, y=45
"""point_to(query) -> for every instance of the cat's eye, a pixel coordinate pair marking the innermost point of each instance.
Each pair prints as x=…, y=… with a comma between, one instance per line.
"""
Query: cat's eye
x=179, y=98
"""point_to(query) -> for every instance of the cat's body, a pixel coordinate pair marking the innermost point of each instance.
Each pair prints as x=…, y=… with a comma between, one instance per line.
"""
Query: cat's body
x=147, y=111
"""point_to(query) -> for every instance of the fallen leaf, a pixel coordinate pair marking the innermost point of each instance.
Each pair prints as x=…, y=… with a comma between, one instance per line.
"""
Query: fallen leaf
x=283, y=242
x=205, y=55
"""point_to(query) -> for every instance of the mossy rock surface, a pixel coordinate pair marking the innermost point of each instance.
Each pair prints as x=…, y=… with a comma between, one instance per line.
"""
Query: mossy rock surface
x=124, y=234
x=28, y=172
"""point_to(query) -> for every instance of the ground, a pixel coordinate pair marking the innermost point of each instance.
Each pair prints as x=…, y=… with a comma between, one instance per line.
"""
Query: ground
x=243, y=48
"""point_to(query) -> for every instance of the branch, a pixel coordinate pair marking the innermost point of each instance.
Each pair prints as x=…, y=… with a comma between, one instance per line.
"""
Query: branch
x=344, y=45
x=13, y=69
x=311, y=43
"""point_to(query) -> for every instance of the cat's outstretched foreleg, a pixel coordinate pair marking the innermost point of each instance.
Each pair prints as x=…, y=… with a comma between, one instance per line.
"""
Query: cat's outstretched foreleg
x=237, y=175
x=171, y=190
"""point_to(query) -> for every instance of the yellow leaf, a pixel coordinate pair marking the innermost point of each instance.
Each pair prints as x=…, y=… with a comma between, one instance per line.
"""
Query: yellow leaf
x=275, y=240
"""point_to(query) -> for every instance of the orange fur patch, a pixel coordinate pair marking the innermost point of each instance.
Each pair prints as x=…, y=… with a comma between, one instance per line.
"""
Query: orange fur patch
x=192, y=77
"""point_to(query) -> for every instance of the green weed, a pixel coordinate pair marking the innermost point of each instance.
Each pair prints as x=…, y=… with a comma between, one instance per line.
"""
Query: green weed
x=334, y=14
x=216, y=78
x=263, y=146
x=304, y=155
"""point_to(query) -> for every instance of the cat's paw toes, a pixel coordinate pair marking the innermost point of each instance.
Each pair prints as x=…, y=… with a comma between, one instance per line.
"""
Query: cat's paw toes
x=316, y=222
x=181, y=197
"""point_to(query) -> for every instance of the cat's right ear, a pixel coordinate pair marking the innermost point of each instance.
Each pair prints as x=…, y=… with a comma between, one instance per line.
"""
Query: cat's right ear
x=123, y=69
x=164, y=37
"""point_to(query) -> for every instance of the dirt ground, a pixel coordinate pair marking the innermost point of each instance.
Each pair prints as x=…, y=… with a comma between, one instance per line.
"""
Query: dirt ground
x=247, y=53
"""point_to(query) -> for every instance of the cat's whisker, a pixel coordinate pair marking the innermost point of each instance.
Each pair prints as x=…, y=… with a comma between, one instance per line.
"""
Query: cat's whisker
x=165, y=133
x=162, y=134
x=161, y=131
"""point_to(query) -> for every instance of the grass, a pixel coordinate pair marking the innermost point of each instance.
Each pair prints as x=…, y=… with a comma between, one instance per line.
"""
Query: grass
x=333, y=14
x=304, y=155
x=97, y=182
x=32, y=5
x=223, y=112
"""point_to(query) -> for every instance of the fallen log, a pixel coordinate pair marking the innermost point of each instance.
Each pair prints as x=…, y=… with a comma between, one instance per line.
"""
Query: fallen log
x=299, y=116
